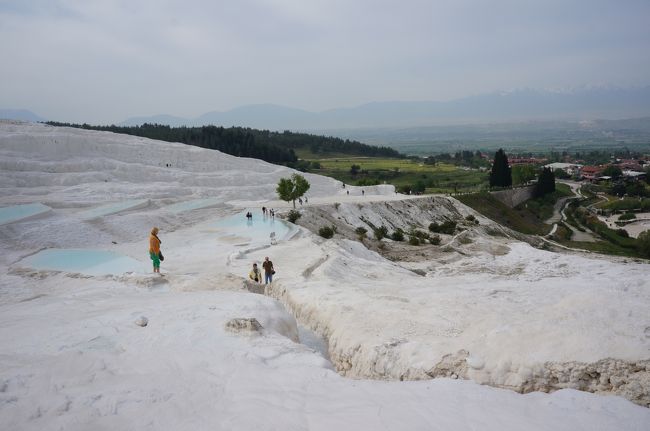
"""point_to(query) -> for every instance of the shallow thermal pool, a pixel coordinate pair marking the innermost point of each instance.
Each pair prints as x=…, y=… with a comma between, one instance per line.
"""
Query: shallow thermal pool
x=194, y=204
x=114, y=208
x=19, y=212
x=259, y=229
x=84, y=261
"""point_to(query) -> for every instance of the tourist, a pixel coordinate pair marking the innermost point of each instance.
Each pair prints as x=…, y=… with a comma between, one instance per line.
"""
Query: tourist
x=363, y=192
x=268, y=270
x=154, y=250
x=255, y=274
x=264, y=211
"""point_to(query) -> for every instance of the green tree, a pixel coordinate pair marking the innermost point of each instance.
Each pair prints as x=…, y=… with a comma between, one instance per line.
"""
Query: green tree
x=612, y=171
x=523, y=173
x=643, y=243
x=501, y=174
x=290, y=189
x=545, y=183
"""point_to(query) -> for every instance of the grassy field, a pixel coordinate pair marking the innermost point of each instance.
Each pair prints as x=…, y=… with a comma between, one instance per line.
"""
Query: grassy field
x=520, y=219
x=439, y=178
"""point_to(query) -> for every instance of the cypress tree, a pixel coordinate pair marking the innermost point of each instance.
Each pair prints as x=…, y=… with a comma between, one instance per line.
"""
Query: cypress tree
x=545, y=182
x=501, y=174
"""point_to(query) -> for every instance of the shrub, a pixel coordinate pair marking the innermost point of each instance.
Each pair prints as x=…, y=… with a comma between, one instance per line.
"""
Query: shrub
x=623, y=233
x=434, y=239
x=414, y=240
x=470, y=218
x=398, y=235
x=293, y=216
x=361, y=231
x=326, y=232
x=380, y=232
x=448, y=227
x=419, y=234
x=627, y=216
x=643, y=243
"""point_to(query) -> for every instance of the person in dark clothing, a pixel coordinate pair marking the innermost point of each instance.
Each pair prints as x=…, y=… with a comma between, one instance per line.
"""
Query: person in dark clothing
x=268, y=270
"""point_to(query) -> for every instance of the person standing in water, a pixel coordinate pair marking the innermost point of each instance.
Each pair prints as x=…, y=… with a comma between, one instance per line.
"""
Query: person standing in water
x=268, y=270
x=154, y=250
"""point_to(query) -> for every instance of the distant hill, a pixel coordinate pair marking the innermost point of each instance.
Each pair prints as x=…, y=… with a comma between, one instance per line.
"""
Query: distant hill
x=19, y=114
x=520, y=105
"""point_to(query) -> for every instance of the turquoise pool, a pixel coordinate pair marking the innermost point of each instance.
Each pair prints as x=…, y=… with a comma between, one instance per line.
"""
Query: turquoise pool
x=194, y=204
x=19, y=212
x=259, y=229
x=84, y=261
x=114, y=208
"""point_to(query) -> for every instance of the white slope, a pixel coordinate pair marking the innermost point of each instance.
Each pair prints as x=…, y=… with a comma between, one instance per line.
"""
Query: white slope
x=73, y=356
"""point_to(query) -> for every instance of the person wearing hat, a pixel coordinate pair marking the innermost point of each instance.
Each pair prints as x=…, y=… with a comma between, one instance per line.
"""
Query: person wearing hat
x=154, y=250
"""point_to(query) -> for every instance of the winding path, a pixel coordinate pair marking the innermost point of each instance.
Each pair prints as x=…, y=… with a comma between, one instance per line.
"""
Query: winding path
x=559, y=215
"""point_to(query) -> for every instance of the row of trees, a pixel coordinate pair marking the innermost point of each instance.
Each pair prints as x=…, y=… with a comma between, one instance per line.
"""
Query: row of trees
x=273, y=147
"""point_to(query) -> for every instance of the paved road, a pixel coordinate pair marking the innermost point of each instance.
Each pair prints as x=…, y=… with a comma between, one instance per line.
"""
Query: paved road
x=558, y=214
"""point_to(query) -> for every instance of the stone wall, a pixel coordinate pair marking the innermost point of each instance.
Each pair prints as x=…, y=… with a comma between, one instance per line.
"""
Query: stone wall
x=514, y=197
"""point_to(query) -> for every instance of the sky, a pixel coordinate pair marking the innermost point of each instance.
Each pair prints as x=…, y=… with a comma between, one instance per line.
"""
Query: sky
x=104, y=61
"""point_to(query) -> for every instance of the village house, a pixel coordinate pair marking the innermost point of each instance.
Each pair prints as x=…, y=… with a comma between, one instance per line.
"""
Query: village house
x=591, y=173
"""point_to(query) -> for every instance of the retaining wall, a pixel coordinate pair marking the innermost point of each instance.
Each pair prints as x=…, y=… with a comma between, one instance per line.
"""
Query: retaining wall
x=514, y=197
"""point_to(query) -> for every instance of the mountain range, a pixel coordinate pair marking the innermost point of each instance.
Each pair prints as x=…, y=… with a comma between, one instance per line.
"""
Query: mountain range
x=519, y=105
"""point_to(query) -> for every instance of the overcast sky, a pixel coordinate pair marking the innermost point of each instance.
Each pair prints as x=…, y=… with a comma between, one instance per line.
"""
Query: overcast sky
x=103, y=61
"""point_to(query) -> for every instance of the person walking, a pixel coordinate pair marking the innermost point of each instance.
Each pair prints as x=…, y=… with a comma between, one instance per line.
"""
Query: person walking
x=154, y=250
x=268, y=270
x=255, y=274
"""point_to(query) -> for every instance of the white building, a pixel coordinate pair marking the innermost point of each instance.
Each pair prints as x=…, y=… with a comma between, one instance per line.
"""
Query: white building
x=569, y=168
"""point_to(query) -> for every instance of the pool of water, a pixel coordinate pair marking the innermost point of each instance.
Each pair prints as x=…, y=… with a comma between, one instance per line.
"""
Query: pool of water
x=114, y=208
x=84, y=261
x=194, y=204
x=19, y=212
x=259, y=228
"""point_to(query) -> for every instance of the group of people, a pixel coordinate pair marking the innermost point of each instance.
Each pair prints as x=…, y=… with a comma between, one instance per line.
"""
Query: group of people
x=270, y=212
x=256, y=274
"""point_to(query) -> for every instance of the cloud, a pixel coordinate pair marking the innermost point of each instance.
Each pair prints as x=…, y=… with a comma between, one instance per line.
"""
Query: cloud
x=103, y=61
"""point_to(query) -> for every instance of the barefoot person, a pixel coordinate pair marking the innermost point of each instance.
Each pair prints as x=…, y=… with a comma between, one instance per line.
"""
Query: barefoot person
x=154, y=249
x=255, y=274
x=268, y=270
